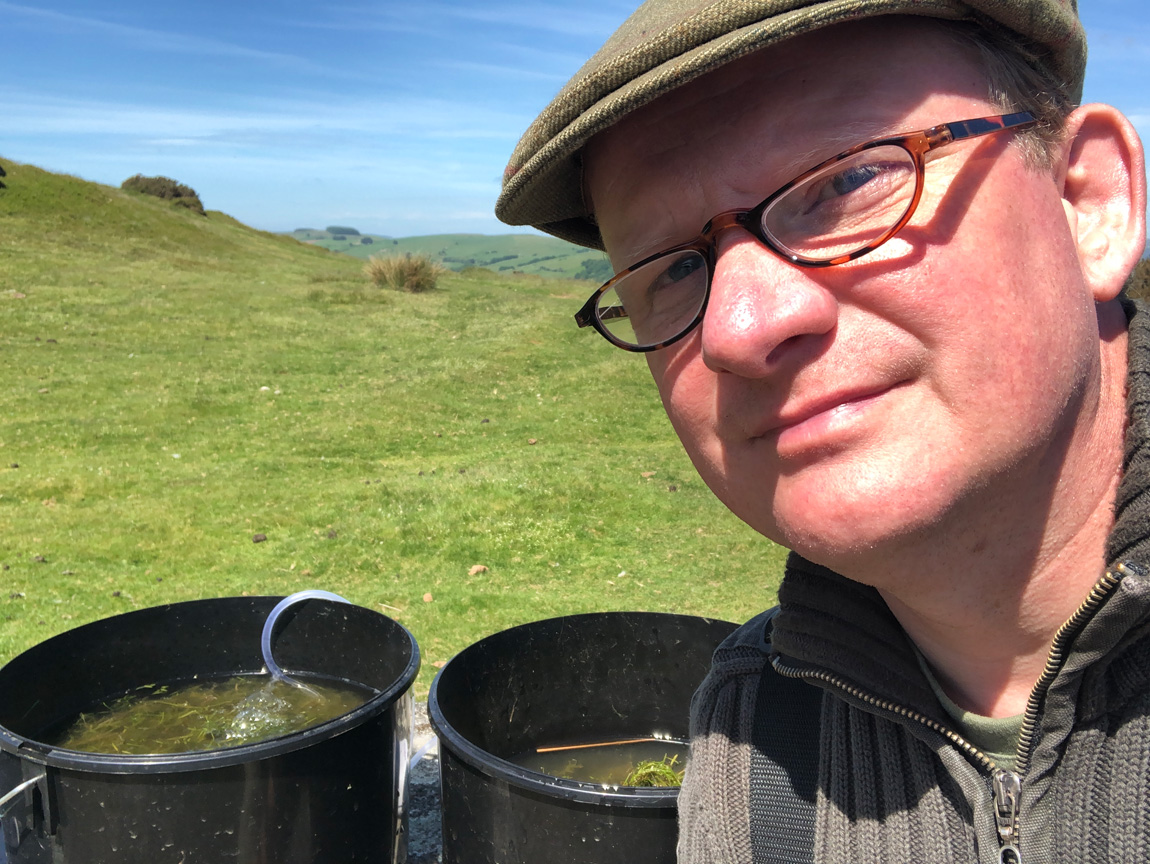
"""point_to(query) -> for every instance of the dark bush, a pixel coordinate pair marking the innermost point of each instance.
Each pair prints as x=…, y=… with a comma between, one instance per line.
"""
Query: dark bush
x=166, y=188
x=365, y=241
x=595, y=269
x=341, y=229
x=1138, y=285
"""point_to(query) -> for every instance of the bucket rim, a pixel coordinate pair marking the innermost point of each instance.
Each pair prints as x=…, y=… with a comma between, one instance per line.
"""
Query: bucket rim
x=38, y=752
x=490, y=765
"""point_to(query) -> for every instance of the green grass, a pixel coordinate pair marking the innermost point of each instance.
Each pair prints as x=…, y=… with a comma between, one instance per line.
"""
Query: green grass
x=176, y=384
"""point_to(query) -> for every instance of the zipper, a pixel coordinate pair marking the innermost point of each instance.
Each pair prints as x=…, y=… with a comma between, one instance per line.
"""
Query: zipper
x=1057, y=657
x=1006, y=786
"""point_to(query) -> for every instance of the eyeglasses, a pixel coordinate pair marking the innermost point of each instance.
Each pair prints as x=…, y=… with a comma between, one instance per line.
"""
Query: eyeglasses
x=836, y=212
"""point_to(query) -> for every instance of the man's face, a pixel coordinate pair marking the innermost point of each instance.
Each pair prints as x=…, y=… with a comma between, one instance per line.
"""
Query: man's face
x=842, y=410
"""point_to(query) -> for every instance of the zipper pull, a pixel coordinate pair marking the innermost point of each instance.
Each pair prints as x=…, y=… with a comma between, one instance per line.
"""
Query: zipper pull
x=1007, y=786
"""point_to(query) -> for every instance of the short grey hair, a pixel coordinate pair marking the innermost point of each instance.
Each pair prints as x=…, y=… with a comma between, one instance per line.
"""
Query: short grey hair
x=1019, y=81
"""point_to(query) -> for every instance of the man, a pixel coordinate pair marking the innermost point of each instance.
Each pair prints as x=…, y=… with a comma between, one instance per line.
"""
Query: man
x=874, y=255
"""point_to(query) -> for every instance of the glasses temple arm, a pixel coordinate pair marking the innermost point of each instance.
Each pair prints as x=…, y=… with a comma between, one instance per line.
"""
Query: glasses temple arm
x=979, y=126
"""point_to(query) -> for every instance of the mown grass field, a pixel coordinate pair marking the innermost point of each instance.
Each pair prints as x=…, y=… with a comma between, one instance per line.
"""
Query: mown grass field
x=175, y=385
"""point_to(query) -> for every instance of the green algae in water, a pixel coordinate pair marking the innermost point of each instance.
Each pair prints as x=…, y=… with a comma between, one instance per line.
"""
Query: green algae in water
x=208, y=715
x=630, y=763
x=656, y=772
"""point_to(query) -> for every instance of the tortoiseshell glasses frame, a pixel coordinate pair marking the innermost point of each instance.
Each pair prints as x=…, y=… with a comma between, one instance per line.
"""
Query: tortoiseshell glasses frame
x=837, y=211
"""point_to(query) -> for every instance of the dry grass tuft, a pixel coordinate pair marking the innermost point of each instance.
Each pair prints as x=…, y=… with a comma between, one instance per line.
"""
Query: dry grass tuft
x=412, y=273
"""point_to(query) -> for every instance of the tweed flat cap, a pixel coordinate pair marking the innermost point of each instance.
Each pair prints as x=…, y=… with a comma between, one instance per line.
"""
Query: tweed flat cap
x=667, y=43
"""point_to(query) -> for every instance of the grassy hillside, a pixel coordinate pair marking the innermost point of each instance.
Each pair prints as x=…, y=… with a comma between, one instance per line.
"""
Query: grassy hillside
x=175, y=385
x=503, y=253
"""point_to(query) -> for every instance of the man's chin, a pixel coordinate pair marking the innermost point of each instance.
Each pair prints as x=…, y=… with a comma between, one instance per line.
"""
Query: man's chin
x=850, y=535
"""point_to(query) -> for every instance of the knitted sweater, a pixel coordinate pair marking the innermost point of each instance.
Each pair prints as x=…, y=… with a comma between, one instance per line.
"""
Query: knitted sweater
x=896, y=782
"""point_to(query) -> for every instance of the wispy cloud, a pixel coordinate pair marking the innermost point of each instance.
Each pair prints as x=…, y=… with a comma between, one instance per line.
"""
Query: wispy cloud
x=566, y=19
x=1112, y=46
x=31, y=113
x=517, y=72
x=160, y=41
x=574, y=20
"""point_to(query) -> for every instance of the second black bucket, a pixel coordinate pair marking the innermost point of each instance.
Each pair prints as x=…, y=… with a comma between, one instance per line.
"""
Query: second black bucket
x=595, y=677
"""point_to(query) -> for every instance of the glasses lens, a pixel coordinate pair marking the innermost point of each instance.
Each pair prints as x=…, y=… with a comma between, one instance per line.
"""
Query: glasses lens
x=845, y=207
x=656, y=302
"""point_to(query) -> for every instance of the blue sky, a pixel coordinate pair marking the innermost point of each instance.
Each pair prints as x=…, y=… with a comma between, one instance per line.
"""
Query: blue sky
x=396, y=118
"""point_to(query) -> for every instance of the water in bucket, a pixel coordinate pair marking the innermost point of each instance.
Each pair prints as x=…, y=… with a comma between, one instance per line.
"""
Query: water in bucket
x=205, y=715
x=636, y=762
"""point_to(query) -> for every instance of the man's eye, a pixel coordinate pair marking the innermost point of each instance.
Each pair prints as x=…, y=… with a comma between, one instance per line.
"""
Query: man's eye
x=864, y=180
x=872, y=184
x=845, y=205
x=681, y=269
x=849, y=180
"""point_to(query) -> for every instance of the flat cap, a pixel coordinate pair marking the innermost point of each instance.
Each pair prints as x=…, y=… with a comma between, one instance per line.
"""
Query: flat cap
x=667, y=43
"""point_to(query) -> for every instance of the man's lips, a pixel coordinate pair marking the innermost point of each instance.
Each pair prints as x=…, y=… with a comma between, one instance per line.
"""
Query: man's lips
x=826, y=411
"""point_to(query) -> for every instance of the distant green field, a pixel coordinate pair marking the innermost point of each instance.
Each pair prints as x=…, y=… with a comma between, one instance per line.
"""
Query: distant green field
x=462, y=460
x=503, y=253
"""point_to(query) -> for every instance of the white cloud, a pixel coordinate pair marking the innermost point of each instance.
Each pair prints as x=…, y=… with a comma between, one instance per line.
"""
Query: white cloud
x=282, y=122
x=160, y=41
x=172, y=142
x=568, y=20
x=516, y=72
x=1113, y=46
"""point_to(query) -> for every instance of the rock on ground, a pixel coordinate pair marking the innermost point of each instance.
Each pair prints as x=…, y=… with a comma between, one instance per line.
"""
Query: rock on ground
x=424, y=832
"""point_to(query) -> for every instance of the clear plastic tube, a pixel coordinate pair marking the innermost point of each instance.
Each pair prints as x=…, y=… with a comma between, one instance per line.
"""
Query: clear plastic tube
x=270, y=626
x=422, y=751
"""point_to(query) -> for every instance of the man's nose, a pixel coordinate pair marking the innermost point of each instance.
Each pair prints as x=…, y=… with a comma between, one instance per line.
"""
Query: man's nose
x=762, y=308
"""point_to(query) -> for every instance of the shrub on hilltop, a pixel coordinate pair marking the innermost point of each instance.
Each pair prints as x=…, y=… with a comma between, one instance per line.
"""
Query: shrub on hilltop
x=166, y=188
x=412, y=273
x=341, y=229
x=596, y=269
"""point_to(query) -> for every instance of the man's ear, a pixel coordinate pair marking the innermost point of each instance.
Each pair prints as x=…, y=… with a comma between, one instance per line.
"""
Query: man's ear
x=1103, y=173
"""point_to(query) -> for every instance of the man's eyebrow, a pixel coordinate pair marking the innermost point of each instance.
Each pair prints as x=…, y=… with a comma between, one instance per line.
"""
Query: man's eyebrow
x=841, y=138
x=823, y=146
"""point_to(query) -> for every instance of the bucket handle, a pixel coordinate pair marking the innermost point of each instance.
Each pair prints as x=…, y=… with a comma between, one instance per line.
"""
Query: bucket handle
x=270, y=624
x=13, y=830
x=12, y=793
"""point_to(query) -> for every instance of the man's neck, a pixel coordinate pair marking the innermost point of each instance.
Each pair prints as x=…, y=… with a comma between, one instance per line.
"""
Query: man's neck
x=987, y=639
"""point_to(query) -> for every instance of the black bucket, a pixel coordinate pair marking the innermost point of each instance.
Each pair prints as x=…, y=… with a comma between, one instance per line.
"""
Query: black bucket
x=602, y=676
x=331, y=794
